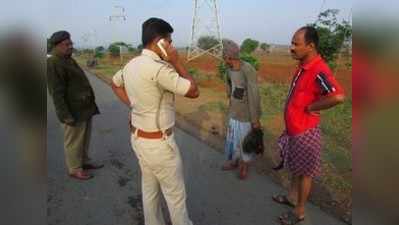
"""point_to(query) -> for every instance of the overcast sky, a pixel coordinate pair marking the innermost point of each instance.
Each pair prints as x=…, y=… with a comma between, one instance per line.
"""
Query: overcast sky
x=271, y=21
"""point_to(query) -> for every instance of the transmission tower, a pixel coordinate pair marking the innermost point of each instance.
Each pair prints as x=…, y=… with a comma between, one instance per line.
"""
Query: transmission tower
x=89, y=38
x=205, y=24
x=119, y=14
x=117, y=19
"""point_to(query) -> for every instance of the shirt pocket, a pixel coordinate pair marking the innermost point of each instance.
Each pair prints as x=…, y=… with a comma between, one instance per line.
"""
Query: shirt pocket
x=239, y=93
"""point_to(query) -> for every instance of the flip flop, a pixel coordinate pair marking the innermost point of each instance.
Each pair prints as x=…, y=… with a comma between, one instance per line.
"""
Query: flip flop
x=283, y=199
x=290, y=218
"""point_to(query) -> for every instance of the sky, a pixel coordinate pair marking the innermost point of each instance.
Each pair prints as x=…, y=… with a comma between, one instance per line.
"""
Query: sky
x=269, y=21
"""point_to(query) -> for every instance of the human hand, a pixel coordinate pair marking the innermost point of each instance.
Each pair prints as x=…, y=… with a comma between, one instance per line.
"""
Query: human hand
x=69, y=121
x=173, y=56
x=130, y=121
x=256, y=125
x=309, y=110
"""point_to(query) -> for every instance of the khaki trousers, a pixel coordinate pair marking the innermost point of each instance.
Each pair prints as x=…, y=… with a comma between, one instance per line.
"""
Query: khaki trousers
x=76, y=144
x=162, y=172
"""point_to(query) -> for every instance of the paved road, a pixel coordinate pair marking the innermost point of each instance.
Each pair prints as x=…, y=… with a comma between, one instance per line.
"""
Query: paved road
x=113, y=196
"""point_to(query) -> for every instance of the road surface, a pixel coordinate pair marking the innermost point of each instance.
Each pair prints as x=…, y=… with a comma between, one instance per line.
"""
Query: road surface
x=113, y=197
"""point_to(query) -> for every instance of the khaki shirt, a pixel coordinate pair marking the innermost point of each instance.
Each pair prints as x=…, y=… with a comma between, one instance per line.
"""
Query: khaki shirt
x=151, y=85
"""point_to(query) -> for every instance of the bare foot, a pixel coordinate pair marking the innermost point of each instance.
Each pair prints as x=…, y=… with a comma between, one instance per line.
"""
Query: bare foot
x=229, y=165
x=243, y=170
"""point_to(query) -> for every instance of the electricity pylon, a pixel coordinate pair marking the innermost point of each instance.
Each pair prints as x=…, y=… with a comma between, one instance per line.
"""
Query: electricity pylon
x=205, y=24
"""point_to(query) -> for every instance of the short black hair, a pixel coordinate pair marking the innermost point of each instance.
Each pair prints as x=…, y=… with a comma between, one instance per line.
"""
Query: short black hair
x=154, y=27
x=311, y=35
x=59, y=37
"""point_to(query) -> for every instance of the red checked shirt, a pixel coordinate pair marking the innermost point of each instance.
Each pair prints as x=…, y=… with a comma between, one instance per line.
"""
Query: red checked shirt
x=311, y=82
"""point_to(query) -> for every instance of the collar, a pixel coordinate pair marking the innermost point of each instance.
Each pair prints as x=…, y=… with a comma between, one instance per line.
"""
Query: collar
x=54, y=53
x=150, y=54
x=310, y=64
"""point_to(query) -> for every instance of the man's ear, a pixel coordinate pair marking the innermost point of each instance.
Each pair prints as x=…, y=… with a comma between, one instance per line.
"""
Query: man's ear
x=312, y=45
x=157, y=39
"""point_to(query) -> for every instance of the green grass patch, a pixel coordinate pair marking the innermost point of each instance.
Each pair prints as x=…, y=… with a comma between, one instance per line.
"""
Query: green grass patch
x=273, y=97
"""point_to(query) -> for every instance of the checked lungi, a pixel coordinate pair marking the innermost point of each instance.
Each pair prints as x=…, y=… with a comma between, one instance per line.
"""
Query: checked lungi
x=301, y=154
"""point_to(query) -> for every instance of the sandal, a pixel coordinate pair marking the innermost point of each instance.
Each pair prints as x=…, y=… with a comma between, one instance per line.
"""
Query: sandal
x=290, y=218
x=283, y=199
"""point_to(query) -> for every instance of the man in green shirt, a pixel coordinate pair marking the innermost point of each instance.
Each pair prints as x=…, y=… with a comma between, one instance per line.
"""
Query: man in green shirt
x=74, y=103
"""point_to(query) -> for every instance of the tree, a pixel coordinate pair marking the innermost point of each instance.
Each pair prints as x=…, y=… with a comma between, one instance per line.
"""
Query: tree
x=332, y=34
x=207, y=42
x=265, y=47
x=49, y=46
x=114, y=49
x=249, y=45
x=131, y=49
x=99, y=49
x=99, y=52
x=244, y=57
x=140, y=47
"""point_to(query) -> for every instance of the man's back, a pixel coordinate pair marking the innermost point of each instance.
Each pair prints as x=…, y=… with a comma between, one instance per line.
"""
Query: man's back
x=151, y=84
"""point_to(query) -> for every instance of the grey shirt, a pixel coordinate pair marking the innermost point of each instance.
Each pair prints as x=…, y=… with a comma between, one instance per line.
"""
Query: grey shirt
x=242, y=89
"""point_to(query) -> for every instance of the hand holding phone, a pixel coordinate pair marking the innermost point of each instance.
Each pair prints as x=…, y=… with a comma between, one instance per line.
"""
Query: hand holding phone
x=169, y=53
x=161, y=45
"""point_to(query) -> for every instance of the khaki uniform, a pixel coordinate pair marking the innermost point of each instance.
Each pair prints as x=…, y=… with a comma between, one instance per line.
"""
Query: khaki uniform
x=76, y=144
x=151, y=85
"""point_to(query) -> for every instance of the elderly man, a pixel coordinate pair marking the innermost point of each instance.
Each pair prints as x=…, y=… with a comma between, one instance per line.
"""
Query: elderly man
x=74, y=103
x=313, y=88
x=147, y=85
x=244, y=107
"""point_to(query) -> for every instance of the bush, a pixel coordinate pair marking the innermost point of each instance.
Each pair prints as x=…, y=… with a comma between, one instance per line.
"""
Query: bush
x=194, y=72
x=207, y=42
x=99, y=49
x=333, y=35
x=265, y=47
x=114, y=50
x=131, y=49
x=248, y=46
x=99, y=55
x=222, y=68
x=99, y=52
x=49, y=46
x=140, y=47
x=251, y=60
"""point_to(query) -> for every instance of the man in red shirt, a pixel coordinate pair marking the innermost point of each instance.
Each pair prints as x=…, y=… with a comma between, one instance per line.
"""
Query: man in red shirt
x=313, y=89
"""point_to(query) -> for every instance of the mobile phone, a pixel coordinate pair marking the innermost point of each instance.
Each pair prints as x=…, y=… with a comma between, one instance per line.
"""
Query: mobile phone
x=161, y=44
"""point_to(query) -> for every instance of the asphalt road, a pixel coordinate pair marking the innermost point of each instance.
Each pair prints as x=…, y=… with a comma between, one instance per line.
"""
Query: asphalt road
x=113, y=196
